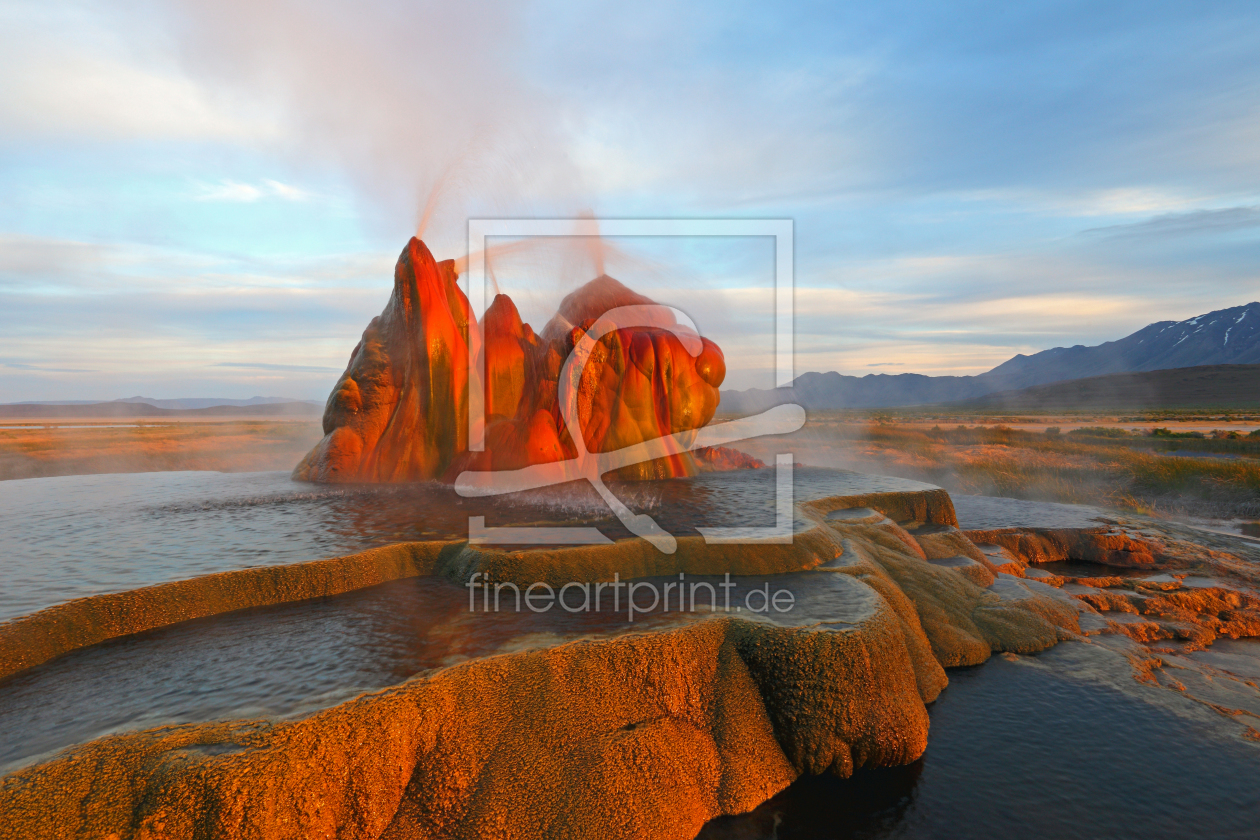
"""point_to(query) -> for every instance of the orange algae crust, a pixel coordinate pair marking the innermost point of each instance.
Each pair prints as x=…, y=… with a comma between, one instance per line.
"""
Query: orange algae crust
x=932, y=507
x=635, y=558
x=1101, y=545
x=400, y=411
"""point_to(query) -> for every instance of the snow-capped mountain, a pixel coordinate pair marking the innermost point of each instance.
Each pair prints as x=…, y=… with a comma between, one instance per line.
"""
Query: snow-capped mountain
x=1226, y=336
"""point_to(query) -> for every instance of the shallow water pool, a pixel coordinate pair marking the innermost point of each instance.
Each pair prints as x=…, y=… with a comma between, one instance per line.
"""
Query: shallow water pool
x=74, y=536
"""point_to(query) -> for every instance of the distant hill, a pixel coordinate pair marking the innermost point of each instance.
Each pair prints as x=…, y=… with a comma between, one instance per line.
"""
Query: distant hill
x=190, y=402
x=876, y=390
x=1206, y=386
x=1225, y=337
x=212, y=402
x=124, y=409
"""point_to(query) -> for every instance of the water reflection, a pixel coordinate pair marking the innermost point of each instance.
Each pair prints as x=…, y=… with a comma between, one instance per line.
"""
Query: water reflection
x=826, y=808
x=1034, y=753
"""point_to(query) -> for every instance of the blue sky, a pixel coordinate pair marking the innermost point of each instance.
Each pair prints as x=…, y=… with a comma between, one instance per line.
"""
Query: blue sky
x=206, y=198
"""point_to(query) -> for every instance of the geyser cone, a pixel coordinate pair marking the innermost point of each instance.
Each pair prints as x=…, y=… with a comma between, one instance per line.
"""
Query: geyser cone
x=640, y=383
x=400, y=411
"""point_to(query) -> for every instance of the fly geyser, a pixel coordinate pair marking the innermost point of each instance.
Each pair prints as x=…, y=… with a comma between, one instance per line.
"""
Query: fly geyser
x=400, y=410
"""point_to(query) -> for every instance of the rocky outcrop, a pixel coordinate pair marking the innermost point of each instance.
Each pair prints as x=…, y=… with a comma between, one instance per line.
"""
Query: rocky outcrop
x=400, y=411
x=721, y=458
x=1152, y=588
x=1103, y=546
x=1166, y=609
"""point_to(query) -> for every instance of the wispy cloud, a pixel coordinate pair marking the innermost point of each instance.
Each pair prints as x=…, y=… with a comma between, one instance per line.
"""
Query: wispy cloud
x=44, y=368
x=1224, y=220
x=43, y=264
x=248, y=193
x=70, y=74
x=275, y=367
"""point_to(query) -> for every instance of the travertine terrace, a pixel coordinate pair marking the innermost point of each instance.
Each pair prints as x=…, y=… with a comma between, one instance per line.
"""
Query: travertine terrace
x=712, y=715
x=708, y=714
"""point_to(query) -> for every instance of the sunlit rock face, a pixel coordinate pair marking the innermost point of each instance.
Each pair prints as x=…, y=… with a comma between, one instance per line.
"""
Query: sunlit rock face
x=400, y=411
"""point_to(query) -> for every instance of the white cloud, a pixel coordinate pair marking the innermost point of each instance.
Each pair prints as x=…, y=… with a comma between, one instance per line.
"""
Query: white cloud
x=67, y=74
x=49, y=265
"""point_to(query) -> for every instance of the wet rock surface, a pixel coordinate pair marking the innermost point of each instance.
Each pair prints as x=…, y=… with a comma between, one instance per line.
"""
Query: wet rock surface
x=1149, y=580
x=400, y=411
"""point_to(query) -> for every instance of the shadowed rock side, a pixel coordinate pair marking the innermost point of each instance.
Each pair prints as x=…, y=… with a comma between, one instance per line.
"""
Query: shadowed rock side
x=633, y=736
x=400, y=411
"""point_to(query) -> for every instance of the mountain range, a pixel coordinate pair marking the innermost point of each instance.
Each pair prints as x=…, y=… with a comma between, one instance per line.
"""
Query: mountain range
x=1224, y=337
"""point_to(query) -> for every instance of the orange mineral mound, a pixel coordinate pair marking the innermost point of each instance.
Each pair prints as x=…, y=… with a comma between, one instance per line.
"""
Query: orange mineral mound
x=400, y=411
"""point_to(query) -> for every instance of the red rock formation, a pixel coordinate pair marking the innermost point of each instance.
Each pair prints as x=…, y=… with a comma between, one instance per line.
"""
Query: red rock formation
x=400, y=411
